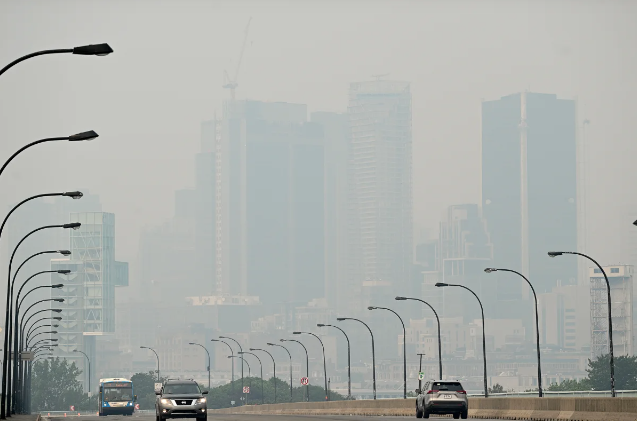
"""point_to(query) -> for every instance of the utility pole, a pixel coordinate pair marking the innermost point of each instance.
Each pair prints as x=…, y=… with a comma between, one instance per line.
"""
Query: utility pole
x=420, y=371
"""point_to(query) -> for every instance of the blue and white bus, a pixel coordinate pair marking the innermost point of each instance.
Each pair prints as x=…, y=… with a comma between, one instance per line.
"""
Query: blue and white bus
x=116, y=397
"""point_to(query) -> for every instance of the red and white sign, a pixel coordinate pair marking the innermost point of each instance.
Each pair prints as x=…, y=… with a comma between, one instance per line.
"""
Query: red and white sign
x=72, y=408
x=136, y=406
x=305, y=381
x=246, y=389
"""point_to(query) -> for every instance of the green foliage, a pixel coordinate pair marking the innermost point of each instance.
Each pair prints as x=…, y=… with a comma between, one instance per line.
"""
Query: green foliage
x=55, y=387
x=497, y=388
x=570, y=385
x=221, y=397
x=144, y=388
x=625, y=373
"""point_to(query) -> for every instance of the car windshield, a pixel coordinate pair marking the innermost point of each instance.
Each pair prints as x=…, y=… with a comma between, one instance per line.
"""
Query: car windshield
x=115, y=394
x=183, y=388
x=450, y=386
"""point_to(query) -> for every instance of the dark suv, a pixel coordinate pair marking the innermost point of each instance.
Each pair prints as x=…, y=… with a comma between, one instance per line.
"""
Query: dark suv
x=181, y=399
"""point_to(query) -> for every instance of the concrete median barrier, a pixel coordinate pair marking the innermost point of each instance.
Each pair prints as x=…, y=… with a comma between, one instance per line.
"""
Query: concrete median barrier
x=540, y=409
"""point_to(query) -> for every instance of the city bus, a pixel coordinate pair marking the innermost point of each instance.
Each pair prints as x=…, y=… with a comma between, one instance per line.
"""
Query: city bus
x=116, y=397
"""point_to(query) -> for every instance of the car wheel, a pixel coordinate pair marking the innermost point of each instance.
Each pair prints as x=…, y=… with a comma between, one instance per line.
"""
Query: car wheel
x=464, y=415
x=204, y=418
x=418, y=413
x=456, y=415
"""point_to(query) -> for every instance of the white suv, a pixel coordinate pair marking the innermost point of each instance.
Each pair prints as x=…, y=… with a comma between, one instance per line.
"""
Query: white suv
x=442, y=397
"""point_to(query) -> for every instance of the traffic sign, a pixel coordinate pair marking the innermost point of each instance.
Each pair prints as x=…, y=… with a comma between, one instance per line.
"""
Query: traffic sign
x=72, y=408
x=421, y=376
x=246, y=389
x=305, y=381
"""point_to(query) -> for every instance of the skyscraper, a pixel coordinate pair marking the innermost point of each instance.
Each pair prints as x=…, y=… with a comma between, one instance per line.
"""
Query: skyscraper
x=270, y=188
x=529, y=187
x=380, y=184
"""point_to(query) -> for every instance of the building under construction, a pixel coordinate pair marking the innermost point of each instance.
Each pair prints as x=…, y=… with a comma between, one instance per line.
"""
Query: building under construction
x=620, y=278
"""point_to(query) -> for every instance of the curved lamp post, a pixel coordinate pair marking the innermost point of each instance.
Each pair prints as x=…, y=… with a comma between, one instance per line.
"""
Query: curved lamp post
x=154, y=352
x=273, y=363
x=537, y=325
x=5, y=402
x=89, y=368
x=204, y=348
x=307, y=366
x=85, y=50
x=439, y=336
x=610, y=316
x=349, y=374
x=249, y=375
x=404, y=346
x=290, y=355
x=324, y=364
x=241, y=350
x=261, y=364
x=484, y=341
x=340, y=319
x=231, y=362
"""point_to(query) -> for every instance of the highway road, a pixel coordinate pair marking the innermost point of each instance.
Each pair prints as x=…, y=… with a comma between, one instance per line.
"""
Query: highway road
x=246, y=417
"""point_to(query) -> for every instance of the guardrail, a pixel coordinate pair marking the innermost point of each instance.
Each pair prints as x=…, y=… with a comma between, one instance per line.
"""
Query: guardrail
x=561, y=394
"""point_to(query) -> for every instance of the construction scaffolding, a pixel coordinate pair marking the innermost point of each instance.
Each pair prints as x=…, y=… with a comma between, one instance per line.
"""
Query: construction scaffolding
x=620, y=279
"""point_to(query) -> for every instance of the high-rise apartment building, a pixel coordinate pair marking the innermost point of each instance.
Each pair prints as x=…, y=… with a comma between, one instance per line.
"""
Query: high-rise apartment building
x=564, y=317
x=270, y=203
x=529, y=187
x=380, y=223
x=620, y=278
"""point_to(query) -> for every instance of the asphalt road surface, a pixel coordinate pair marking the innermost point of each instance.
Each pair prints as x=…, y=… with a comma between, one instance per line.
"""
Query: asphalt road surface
x=224, y=417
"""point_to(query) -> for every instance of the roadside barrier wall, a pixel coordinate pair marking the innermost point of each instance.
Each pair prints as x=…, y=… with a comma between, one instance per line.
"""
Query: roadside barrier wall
x=540, y=409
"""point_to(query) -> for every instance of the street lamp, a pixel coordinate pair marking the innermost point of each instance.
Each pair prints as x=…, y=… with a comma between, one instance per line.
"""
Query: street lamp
x=147, y=347
x=307, y=366
x=439, y=336
x=204, y=348
x=274, y=365
x=6, y=400
x=340, y=319
x=290, y=355
x=249, y=375
x=324, y=364
x=241, y=350
x=85, y=50
x=231, y=362
x=404, y=346
x=537, y=325
x=484, y=342
x=610, y=317
x=89, y=368
x=349, y=373
x=17, y=362
x=261, y=364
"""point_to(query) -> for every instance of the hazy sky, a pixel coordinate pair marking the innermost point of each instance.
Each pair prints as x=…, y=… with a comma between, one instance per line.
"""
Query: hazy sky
x=147, y=100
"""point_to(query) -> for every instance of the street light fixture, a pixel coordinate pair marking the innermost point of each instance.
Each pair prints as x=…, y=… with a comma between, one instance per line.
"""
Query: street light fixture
x=240, y=349
x=155, y=352
x=231, y=362
x=484, y=341
x=439, y=335
x=340, y=319
x=290, y=355
x=404, y=346
x=324, y=363
x=85, y=50
x=610, y=316
x=261, y=364
x=204, y=348
x=89, y=368
x=537, y=325
x=307, y=366
x=349, y=373
x=274, y=365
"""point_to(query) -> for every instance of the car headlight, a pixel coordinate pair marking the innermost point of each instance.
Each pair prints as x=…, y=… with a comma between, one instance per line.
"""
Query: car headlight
x=165, y=401
x=201, y=400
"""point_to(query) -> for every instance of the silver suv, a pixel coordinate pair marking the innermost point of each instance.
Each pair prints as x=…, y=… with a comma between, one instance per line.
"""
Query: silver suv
x=442, y=397
x=181, y=399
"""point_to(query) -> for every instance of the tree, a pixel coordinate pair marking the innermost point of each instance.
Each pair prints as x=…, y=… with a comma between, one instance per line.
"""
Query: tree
x=625, y=373
x=497, y=388
x=570, y=385
x=55, y=387
x=144, y=387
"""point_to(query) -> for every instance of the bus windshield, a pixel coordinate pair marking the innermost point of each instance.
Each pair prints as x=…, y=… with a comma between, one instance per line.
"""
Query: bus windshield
x=114, y=393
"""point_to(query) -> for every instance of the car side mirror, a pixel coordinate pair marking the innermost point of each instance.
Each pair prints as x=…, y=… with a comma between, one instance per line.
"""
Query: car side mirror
x=418, y=391
x=157, y=392
x=205, y=392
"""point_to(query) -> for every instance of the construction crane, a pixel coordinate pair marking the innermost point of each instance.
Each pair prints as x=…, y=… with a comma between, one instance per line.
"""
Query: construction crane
x=232, y=83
